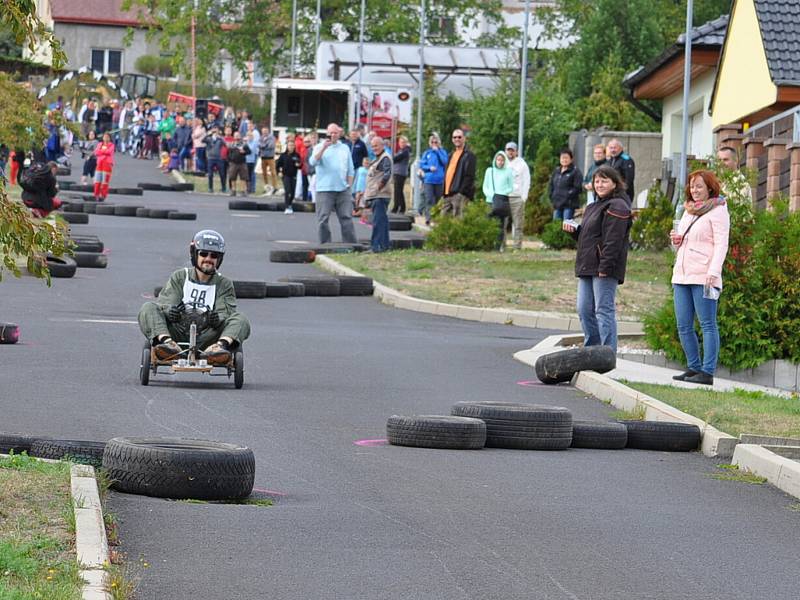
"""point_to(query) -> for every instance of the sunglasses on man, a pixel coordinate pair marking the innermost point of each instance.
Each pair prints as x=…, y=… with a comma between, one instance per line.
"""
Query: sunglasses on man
x=206, y=253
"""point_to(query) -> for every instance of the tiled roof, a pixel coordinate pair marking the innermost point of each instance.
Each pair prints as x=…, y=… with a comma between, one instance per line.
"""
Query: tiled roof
x=780, y=30
x=93, y=12
x=708, y=34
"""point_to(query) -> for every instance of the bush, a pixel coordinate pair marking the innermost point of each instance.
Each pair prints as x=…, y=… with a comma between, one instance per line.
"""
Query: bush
x=758, y=313
x=556, y=238
x=538, y=210
x=475, y=230
x=650, y=230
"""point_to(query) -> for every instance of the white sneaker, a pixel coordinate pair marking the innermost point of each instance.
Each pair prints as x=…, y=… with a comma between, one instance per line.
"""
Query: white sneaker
x=288, y=211
x=279, y=192
x=268, y=190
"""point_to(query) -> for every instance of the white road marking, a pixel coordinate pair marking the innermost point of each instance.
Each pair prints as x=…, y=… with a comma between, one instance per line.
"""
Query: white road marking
x=114, y=321
x=246, y=216
x=291, y=242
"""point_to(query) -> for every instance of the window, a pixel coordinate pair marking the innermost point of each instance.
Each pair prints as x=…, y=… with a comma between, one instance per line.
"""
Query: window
x=107, y=62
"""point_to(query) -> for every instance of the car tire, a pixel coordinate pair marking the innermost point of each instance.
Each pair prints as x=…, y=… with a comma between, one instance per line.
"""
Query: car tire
x=599, y=435
x=278, y=290
x=270, y=206
x=400, y=223
x=123, y=210
x=355, y=285
x=296, y=289
x=242, y=205
x=558, y=367
x=662, y=435
x=159, y=213
x=90, y=208
x=75, y=218
x=300, y=206
x=106, y=209
x=61, y=266
x=337, y=248
x=79, y=451
x=16, y=443
x=316, y=285
x=292, y=255
x=149, y=186
x=432, y=431
x=182, y=216
x=91, y=260
x=127, y=191
x=143, y=212
x=180, y=468
x=87, y=244
x=72, y=207
x=250, y=289
x=9, y=333
x=144, y=365
x=182, y=187
x=520, y=426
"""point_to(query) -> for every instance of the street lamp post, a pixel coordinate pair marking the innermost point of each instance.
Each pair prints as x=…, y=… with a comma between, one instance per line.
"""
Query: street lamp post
x=194, y=59
x=523, y=81
x=420, y=98
x=687, y=72
x=294, y=36
x=360, y=60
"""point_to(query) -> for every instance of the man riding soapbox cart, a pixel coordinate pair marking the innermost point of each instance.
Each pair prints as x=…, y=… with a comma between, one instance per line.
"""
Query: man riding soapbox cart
x=194, y=325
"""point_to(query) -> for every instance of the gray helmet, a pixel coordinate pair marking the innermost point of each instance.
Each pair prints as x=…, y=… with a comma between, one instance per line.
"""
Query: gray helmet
x=208, y=240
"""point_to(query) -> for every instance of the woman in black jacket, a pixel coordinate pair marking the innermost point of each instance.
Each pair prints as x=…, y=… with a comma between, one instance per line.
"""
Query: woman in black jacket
x=400, y=174
x=566, y=185
x=602, y=256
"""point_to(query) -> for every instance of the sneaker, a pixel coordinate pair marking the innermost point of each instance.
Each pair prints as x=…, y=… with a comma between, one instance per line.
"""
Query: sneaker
x=167, y=350
x=268, y=190
x=217, y=354
x=233, y=193
x=684, y=375
x=701, y=378
x=289, y=211
x=278, y=192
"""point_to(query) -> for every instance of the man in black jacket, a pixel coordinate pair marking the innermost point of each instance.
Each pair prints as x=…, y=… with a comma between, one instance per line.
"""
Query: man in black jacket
x=624, y=165
x=459, y=177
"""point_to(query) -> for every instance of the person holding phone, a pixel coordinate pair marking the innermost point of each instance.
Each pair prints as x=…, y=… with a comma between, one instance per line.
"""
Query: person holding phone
x=701, y=240
x=431, y=171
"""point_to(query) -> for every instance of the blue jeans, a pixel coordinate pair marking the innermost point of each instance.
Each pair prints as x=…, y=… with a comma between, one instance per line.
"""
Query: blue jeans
x=597, y=310
x=689, y=302
x=200, y=159
x=432, y=194
x=563, y=214
x=380, y=225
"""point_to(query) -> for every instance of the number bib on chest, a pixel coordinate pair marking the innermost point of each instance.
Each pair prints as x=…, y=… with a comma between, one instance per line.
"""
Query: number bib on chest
x=199, y=294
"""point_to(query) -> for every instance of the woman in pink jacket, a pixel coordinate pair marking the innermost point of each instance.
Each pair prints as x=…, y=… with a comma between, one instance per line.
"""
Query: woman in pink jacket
x=105, y=163
x=702, y=243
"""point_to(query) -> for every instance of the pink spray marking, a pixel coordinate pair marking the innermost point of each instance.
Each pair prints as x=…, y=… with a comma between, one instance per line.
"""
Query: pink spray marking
x=529, y=383
x=371, y=443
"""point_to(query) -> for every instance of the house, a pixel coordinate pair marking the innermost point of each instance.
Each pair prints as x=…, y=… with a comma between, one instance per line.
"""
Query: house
x=662, y=80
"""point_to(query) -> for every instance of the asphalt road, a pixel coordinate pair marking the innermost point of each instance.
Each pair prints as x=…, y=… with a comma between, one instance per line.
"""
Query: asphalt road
x=352, y=521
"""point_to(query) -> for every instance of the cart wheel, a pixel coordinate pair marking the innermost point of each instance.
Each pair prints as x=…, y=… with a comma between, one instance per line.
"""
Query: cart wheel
x=238, y=366
x=144, y=368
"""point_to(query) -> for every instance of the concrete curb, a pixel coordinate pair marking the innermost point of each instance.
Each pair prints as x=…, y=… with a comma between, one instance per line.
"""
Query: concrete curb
x=91, y=544
x=781, y=472
x=714, y=443
x=178, y=176
x=521, y=318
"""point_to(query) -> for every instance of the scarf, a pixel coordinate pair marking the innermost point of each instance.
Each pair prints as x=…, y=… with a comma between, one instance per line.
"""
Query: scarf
x=698, y=209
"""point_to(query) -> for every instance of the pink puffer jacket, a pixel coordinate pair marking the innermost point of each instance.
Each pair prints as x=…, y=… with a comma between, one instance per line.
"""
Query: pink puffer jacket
x=702, y=252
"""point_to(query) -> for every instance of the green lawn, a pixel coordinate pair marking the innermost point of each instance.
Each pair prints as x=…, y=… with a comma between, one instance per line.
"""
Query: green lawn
x=539, y=280
x=733, y=412
x=37, y=531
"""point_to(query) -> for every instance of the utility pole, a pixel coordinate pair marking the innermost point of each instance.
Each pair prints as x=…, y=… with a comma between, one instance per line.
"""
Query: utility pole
x=420, y=99
x=687, y=79
x=194, y=58
x=318, y=28
x=523, y=85
x=294, y=37
x=360, y=60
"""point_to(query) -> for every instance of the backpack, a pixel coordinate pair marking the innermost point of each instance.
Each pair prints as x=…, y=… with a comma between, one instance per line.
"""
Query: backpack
x=35, y=178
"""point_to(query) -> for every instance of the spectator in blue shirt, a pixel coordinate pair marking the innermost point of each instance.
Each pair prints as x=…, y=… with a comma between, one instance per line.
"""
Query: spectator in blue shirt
x=333, y=162
x=432, y=166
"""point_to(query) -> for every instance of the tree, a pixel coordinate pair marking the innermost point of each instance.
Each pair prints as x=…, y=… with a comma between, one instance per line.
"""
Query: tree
x=20, y=18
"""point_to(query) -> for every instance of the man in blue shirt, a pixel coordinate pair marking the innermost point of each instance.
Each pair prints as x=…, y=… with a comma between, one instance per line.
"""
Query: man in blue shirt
x=334, y=170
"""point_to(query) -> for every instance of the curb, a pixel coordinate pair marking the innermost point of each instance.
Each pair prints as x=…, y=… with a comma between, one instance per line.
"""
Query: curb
x=714, y=443
x=178, y=176
x=521, y=318
x=781, y=472
x=91, y=544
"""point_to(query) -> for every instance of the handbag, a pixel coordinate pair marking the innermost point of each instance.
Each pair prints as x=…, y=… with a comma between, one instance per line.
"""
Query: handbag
x=500, y=202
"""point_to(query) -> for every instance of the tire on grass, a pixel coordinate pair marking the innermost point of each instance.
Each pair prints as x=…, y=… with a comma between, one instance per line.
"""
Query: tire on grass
x=431, y=431
x=292, y=255
x=75, y=218
x=560, y=366
x=520, y=426
x=180, y=468
x=338, y=248
x=79, y=451
x=17, y=443
x=61, y=266
x=316, y=285
x=91, y=260
x=599, y=435
x=355, y=285
x=662, y=435
x=9, y=333
x=250, y=289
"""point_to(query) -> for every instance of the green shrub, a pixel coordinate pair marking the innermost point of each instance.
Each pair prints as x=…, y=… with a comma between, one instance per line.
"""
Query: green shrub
x=556, y=238
x=475, y=230
x=758, y=313
x=650, y=230
x=538, y=210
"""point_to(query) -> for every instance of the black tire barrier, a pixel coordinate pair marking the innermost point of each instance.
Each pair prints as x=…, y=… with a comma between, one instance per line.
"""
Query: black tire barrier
x=520, y=426
x=106, y=209
x=64, y=171
x=599, y=435
x=558, y=367
x=182, y=187
x=316, y=285
x=406, y=243
x=196, y=173
x=72, y=207
x=122, y=210
x=79, y=451
x=270, y=206
x=61, y=266
x=75, y=218
x=355, y=285
x=87, y=244
x=90, y=208
x=153, y=187
x=124, y=191
x=9, y=334
x=299, y=206
x=296, y=289
x=182, y=216
x=400, y=223
x=292, y=255
x=662, y=435
x=279, y=289
x=180, y=468
x=91, y=260
x=431, y=431
x=16, y=443
x=81, y=187
x=338, y=248
x=159, y=213
x=143, y=212
x=242, y=205
x=250, y=289
x=65, y=185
